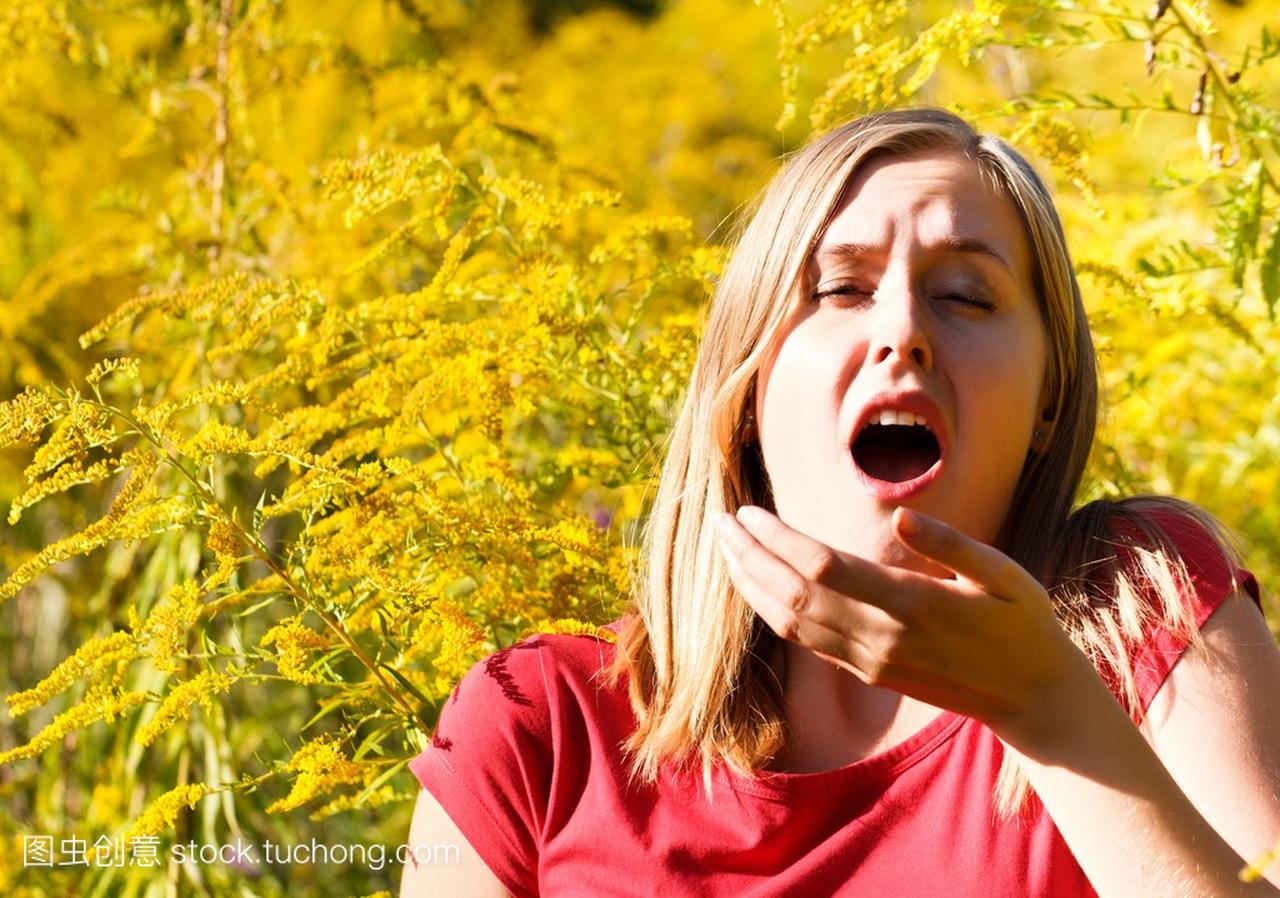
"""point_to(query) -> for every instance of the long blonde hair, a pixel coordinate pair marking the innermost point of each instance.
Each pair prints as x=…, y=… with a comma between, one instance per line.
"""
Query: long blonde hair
x=694, y=653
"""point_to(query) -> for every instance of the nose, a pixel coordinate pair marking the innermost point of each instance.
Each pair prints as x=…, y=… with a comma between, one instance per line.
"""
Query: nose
x=900, y=328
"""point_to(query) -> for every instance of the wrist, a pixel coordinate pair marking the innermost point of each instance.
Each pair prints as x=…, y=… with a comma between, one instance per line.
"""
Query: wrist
x=1069, y=700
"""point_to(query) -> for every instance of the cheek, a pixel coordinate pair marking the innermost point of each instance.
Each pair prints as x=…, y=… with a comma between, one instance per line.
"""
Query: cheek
x=1011, y=363
x=799, y=399
x=786, y=393
x=790, y=371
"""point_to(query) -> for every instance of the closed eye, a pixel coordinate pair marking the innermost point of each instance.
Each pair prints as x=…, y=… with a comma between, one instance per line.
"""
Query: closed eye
x=970, y=301
x=842, y=290
x=851, y=290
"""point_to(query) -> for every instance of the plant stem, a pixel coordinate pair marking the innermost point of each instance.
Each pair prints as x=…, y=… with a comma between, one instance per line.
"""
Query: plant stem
x=260, y=551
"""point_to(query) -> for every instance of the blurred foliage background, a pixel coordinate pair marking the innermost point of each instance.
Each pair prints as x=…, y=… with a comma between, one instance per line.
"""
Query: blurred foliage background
x=339, y=341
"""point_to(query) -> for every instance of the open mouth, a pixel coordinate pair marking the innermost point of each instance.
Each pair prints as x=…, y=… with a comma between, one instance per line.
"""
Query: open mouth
x=896, y=453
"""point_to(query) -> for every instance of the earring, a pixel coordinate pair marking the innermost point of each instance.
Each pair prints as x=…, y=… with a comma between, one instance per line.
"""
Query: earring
x=1038, y=435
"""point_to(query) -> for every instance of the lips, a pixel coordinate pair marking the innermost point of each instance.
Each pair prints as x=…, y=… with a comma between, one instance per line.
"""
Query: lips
x=898, y=444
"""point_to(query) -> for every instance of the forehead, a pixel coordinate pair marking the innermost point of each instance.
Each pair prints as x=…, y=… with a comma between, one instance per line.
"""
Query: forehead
x=935, y=200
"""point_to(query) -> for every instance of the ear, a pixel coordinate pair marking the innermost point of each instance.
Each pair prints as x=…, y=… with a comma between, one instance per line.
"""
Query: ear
x=750, y=429
x=1042, y=433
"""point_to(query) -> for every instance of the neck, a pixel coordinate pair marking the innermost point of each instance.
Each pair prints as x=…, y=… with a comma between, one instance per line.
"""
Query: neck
x=833, y=718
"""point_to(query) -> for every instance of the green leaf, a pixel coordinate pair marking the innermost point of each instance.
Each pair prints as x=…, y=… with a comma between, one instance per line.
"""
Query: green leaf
x=382, y=778
x=248, y=612
x=407, y=684
x=1271, y=272
x=327, y=708
x=373, y=740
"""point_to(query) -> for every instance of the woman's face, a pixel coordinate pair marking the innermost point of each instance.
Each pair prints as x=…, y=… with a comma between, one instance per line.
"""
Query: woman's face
x=922, y=311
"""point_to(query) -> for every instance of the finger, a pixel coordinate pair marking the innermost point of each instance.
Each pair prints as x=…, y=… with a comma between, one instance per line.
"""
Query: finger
x=793, y=627
x=982, y=565
x=855, y=577
x=792, y=595
x=806, y=595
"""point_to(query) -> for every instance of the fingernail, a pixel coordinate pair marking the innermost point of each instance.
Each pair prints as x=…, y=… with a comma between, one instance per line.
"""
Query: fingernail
x=725, y=553
x=909, y=522
x=752, y=514
x=723, y=523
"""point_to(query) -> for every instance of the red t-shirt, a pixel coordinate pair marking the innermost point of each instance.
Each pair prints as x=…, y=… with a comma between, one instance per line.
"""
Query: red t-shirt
x=525, y=761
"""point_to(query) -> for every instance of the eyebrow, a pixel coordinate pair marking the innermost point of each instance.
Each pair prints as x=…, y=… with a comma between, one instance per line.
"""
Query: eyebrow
x=950, y=243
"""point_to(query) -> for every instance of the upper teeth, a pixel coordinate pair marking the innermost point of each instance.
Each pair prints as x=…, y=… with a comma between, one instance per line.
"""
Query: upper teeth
x=895, y=416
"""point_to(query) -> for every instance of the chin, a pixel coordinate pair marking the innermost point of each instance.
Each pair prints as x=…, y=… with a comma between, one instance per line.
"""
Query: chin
x=870, y=535
x=888, y=551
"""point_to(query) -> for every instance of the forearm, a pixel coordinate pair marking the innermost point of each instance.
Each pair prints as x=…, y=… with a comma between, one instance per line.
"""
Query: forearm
x=1123, y=816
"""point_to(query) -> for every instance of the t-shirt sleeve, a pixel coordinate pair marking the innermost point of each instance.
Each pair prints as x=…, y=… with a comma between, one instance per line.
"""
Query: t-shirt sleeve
x=1213, y=579
x=489, y=762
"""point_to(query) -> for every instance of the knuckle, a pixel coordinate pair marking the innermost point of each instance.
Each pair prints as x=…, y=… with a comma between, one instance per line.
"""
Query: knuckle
x=863, y=676
x=908, y=611
x=797, y=597
x=1006, y=571
x=889, y=657
x=820, y=565
x=789, y=627
x=877, y=671
x=895, y=651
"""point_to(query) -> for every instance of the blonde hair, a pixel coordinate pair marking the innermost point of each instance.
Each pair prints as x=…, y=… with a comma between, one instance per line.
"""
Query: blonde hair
x=695, y=654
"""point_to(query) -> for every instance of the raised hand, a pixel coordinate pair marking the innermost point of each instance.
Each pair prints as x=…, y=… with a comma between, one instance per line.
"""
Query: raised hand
x=984, y=643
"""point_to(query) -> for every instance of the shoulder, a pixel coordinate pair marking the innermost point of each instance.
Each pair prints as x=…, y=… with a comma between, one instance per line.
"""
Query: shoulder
x=1206, y=560
x=1180, y=566
x=527, y=672
x=1208, y=704
x=500, y=738
x=509, y=696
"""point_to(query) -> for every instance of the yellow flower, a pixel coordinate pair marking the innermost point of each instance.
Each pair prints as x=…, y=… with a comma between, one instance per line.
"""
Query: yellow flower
x=384, y=177
x=126, y=367
x=461, y=641
x=1055, y=139
x=31, y=27
x=294, y=642
x=89, y=660
x=106, y=804
x=101, y=703
x=321, y=766
x=73, y=473
x=24, y=418
x=224, y=540
x=169, y=622
x=161, y=814
x=377, y=798
x=214, y=293
x=128, y=518
x=570, y=626
x=177, y=704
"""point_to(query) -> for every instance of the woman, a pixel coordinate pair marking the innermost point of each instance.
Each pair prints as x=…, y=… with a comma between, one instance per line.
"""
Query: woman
x=870, y=623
